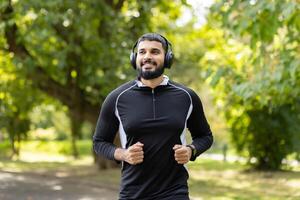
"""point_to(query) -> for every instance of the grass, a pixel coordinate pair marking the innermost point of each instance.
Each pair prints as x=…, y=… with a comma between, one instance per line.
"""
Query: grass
x=57, y=147
x=209, y=179
x=55, y=158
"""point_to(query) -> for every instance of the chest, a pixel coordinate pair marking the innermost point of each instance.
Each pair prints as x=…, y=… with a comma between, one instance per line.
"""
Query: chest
x=153, y=111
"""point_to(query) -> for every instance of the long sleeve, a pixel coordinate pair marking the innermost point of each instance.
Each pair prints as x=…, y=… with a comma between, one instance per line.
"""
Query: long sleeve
x=106, y=129
x=199, y=128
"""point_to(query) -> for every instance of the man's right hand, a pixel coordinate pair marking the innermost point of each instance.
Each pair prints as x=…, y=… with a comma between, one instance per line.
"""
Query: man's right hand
x=133, y=155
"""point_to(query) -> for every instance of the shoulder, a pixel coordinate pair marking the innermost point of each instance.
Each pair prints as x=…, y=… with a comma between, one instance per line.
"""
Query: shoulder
x=123, y=88
x=113, y=95
x=188, y=90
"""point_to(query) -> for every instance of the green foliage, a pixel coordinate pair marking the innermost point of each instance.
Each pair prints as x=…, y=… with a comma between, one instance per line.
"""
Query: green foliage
x=49, y=122
x=271, y=30
x=73, y=40
x=16, y=99
x=268, y=136
x=5, y=149
x=85, y=41
x=50, y=148
x=76, y=51
x=254, y=68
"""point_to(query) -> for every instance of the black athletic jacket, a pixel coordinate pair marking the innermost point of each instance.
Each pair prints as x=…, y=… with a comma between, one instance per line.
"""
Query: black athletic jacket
x=158, y=118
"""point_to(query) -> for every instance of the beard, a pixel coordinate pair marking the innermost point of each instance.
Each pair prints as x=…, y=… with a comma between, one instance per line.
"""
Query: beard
x=150, y=74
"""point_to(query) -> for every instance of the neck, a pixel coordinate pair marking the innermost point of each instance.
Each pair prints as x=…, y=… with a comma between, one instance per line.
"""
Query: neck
x=153, y=83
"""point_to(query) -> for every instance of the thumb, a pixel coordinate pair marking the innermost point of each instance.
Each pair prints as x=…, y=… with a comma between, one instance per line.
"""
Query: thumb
x=139, y=144
x=176, y=146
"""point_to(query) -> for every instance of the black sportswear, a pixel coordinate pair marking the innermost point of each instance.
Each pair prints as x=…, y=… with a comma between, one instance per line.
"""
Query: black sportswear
x=158, y=118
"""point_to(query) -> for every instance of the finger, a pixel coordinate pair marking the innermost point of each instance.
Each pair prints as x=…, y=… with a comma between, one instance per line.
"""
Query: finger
x=139, y=144
x=133, y=163
x=176, y=146
x=136, y=155
x=135, y=148
x=181, y=157
x=137, y=160
x=182, y=160
x=181, y=151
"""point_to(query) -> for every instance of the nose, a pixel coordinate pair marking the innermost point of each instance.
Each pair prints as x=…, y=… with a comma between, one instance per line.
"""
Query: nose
x=147, y=55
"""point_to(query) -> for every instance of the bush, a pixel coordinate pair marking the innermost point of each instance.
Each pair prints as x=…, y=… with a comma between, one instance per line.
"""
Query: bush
x=268, y=136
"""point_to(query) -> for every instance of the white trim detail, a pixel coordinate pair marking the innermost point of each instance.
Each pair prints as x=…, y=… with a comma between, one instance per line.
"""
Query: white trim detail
x=123, y=137
x=183, y=134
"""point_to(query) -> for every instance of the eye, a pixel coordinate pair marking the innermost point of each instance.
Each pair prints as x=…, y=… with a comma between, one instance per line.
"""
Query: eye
x=156, y=51
x=142, y=51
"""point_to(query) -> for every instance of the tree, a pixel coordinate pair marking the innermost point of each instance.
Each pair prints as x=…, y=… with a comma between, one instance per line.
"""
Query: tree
x=76, y=51
x=254, y=67
x=16, y=100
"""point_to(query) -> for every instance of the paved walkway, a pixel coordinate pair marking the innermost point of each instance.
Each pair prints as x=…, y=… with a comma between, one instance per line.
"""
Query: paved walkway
x=32, y=186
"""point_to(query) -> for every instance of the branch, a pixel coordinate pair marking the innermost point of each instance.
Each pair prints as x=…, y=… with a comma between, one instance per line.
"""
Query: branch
x=40, y=77
x=11, y=34
x=76, y=103
x=115, y=6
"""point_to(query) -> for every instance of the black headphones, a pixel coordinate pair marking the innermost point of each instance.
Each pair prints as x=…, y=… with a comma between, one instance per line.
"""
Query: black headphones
x=168, y=56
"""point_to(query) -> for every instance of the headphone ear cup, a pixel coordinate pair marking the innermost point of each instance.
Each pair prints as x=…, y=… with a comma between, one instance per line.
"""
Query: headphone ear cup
x=168, y=59
x=133, y=60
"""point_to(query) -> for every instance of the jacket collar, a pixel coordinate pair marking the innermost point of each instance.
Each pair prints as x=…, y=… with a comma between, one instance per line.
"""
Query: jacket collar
x=164, y=82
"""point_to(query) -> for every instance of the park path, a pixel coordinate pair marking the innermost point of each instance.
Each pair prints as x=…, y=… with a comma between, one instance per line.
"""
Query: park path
x=34, y=186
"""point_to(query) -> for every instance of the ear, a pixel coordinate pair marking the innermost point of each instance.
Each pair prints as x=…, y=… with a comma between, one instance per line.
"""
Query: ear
x=133, y=59
x=168, y=59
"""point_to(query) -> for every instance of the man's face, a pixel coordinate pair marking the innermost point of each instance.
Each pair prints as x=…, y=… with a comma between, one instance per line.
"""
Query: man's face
x=150, y=59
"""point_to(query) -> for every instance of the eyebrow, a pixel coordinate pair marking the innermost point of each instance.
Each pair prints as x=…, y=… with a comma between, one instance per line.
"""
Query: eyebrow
x=156, y=49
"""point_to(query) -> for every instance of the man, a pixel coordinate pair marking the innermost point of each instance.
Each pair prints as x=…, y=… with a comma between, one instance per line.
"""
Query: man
x=151, y=115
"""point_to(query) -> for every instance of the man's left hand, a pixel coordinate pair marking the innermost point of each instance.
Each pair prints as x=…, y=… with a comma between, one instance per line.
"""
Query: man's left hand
x=182, y=153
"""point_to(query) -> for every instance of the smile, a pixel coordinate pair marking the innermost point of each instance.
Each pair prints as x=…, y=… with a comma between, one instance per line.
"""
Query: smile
x=148, y=66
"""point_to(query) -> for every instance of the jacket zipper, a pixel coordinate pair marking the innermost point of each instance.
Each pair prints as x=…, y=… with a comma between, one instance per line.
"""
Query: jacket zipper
x=153, y=103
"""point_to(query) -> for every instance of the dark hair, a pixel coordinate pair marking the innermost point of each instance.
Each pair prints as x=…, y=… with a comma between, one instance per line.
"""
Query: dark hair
x=154, y=37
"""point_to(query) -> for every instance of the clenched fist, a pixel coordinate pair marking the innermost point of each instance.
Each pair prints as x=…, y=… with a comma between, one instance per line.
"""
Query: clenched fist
x=134, y=154
x=182, y=153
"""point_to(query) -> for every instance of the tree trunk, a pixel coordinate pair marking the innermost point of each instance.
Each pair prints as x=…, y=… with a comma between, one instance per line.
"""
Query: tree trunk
x=12, y=138
x=14, y=151
x=68, y=94
x=75, y=131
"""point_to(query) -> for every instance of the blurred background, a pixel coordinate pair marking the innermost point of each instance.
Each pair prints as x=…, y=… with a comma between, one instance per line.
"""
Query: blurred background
x=59, y=59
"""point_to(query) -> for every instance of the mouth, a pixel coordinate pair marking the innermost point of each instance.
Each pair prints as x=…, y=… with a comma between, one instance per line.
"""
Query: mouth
x=148, y=65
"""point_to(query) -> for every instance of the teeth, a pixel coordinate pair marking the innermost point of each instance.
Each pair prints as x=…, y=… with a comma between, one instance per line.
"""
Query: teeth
x=147, y=65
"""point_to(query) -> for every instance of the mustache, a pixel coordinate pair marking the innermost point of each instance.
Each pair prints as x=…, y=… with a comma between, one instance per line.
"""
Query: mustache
x=148, y=61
